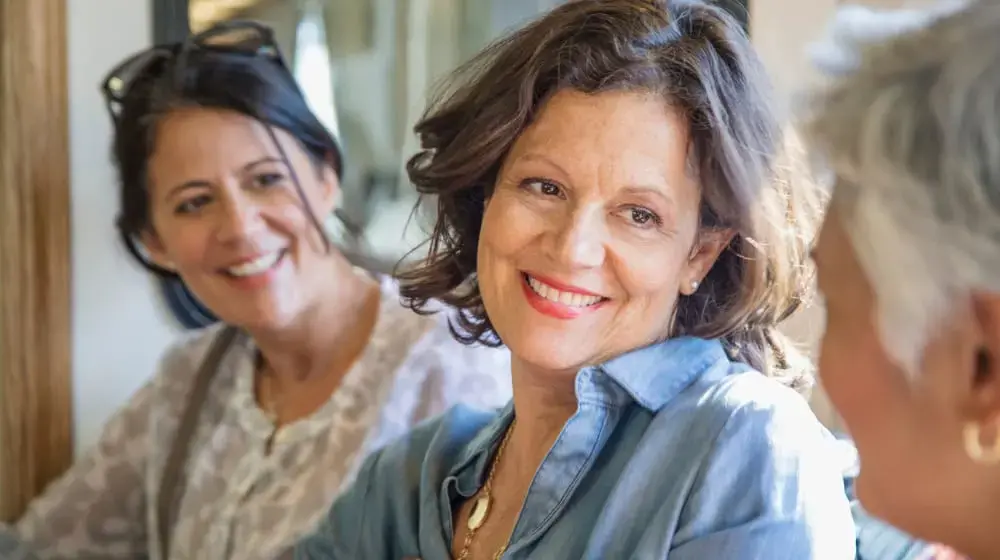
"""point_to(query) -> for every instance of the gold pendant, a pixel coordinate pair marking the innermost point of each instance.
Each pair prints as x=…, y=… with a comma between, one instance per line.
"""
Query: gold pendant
x=479, y=512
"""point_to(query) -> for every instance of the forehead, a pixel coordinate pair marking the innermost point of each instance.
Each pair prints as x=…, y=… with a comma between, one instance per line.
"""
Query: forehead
x=194, y=134
x=623, y=133
x=208, y=145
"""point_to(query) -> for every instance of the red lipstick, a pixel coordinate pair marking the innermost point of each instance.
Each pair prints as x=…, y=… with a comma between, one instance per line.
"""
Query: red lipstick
x=556, y=309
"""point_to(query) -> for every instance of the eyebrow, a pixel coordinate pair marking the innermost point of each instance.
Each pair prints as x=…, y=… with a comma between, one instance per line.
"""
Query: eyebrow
x=263, y=160
x=660, y=193
x=636, y=189
x=532, y=156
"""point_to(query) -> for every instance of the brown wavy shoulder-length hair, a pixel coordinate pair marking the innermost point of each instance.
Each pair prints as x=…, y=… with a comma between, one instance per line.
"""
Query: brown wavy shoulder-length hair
x=699, y=59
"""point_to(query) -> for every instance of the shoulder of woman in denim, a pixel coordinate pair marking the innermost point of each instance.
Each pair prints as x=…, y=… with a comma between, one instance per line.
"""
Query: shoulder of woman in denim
x=771, y=478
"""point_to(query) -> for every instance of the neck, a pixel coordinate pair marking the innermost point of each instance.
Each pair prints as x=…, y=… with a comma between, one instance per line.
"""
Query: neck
x=957, y=510
x=543, y=402
x=976, y=538
x=316, y=341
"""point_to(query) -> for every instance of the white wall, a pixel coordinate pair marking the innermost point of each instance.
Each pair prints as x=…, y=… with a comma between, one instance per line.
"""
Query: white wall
x=119, y=326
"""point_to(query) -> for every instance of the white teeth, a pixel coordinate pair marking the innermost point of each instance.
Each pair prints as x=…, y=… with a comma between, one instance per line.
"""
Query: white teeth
x=566, y=298
x=257, y=266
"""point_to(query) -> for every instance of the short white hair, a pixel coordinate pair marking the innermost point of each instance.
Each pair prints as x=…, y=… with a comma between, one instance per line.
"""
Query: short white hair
x=909, y=122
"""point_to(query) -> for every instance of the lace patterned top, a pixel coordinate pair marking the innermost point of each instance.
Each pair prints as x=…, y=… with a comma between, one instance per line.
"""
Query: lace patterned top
x=239, y=502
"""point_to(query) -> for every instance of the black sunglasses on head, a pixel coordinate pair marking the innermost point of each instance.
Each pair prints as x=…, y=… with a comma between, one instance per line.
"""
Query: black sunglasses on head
x=237, y=37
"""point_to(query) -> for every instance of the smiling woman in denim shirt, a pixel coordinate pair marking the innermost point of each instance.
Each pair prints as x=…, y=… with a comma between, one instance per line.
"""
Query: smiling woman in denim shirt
x=609, y=208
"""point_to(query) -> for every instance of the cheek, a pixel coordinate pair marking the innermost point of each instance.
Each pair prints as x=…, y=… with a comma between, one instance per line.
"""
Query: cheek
x=647, y=275
x=291, y=220
x=509, y=225
x=648, y=266
x=868, y=392
x=186, y=243
x=846, y=369
x=506, y=236
x=654, y=286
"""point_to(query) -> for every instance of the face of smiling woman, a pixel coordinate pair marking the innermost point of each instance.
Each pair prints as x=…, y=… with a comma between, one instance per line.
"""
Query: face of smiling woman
x=591, y=233
x=228, y=219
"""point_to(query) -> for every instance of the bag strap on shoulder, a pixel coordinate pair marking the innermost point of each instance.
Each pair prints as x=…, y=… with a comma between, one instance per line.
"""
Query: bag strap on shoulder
x=176, y=459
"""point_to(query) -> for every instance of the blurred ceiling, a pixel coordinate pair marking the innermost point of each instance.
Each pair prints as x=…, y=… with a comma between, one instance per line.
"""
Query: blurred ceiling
x=203, y=13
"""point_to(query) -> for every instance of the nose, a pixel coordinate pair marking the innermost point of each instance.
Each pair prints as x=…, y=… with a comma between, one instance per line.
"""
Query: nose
x=579, y=239
x=239, y=218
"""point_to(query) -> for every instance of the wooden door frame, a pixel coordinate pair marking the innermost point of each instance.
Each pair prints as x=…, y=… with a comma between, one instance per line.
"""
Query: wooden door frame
x=36, y=443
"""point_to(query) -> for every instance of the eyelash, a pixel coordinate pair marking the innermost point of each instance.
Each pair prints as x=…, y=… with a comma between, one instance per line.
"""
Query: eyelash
x=658, y=221
x=527, y=184
x=260, y=181
x=266, y=180
x=192, y=204
x=649, y=214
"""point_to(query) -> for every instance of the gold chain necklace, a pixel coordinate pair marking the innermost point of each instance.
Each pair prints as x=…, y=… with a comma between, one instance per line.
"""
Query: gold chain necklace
x=271, y=399
x=481, y=509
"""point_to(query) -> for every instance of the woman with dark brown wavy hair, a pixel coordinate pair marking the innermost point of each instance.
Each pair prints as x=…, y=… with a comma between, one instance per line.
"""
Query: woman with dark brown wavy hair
x=609, y=208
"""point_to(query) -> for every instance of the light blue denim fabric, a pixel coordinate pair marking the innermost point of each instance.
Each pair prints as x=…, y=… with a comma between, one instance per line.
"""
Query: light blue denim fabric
x=674, y=452
x=878, y=540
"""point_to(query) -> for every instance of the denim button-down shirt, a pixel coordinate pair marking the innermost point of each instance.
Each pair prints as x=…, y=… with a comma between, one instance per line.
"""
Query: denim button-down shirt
x=674, y=452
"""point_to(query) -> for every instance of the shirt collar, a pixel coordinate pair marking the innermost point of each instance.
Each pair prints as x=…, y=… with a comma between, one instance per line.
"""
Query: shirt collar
x=477, y=449
x=652, y=376
x=655, y=374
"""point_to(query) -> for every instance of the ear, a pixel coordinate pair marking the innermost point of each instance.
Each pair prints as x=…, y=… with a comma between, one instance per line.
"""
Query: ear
x=983, y=371
x=155, y=251
x=330, y=191
x=706, y=251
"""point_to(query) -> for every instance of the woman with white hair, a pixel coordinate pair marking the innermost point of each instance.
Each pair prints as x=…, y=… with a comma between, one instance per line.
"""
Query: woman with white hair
x=909, y=262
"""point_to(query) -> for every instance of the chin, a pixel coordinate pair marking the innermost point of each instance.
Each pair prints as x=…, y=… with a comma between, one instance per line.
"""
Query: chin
x=261, y=317
x=548, y=354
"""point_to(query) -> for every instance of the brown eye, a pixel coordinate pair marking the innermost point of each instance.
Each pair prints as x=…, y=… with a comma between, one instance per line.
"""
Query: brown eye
x=543, y=187
x=192, y=204
x=265, y=180
x=642, y=217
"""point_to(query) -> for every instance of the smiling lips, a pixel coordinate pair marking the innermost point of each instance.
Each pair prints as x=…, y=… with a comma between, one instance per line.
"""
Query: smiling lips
x=257, y=272
x=257, y=265
x=557, y=300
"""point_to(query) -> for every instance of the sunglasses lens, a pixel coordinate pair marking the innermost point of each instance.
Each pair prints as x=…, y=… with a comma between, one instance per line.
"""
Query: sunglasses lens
x=241, y=38
x=115, y=108
x=122, y=80
x=244, y=39
x=116, y=85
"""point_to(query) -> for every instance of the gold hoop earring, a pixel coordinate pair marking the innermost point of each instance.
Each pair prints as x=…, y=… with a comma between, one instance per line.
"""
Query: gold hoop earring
x=972, y=437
